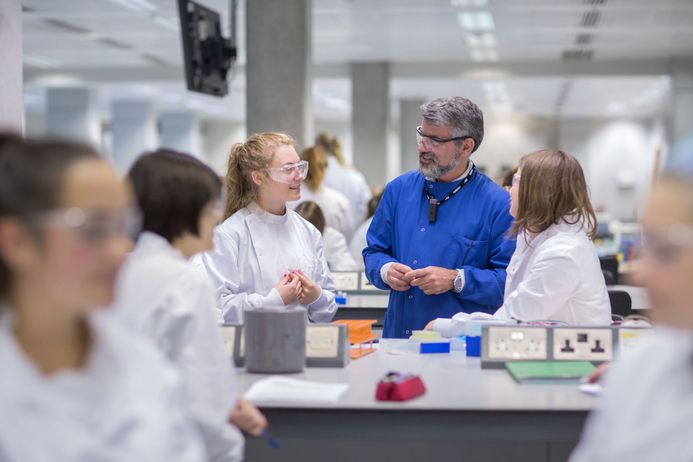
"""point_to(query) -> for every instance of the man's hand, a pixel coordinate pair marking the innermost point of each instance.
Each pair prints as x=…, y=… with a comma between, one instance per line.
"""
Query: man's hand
x=395, y=277
x=429, y=326
x=433, y=280
x=248, y=418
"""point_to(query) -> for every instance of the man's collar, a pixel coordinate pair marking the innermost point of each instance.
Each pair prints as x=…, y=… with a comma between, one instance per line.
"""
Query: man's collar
x=470, y=165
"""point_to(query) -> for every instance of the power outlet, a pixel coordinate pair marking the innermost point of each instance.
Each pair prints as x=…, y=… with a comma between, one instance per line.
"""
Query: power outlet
x=590, y=344
x=517, y=343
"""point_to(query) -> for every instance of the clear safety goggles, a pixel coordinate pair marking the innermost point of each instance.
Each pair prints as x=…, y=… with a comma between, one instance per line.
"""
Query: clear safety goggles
x=289, y=173
x=93, y=226
x=430, y=141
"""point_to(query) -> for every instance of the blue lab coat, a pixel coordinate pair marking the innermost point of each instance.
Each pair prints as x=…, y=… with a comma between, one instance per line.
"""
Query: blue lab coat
x=470, y=233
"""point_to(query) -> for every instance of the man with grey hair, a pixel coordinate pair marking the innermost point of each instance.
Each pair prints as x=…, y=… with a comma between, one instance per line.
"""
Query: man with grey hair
x=439, y=237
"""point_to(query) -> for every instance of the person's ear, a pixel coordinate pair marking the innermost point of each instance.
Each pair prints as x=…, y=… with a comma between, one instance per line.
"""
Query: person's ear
x=256, y=177
x=16, y=244
x=468, y=146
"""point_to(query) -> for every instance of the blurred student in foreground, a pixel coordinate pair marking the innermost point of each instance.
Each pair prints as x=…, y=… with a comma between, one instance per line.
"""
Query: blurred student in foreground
x=646, y=412
x=162, y=296
x=75, y=386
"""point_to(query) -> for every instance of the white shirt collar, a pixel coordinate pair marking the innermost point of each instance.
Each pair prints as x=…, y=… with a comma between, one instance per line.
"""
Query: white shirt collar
x=466, y=172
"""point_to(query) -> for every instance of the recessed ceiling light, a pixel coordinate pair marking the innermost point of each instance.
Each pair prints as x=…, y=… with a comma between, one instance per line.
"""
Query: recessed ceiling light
x=481, y=55
x=485, y=39
x=40, y=61
x=138, y=5
x=480, y=20
x=462, y=3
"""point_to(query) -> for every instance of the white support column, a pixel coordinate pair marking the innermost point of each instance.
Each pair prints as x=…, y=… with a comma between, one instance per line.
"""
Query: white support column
x=73, y=113
x=134, y=131
x=370, y=119
x=180, y=131
x=409, y=119
x=11, y=87
x=279, y=68
x=682, y=98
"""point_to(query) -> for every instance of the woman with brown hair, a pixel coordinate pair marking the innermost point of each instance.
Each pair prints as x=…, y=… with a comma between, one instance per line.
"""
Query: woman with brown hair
x=336, y=250
x=554, y=273
x=345, y=178
x=333, y=203
x=266, y=255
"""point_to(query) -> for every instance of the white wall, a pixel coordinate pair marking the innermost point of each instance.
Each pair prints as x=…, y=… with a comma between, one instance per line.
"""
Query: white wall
x=506, y=140
x=618, y=157
x=217, y=139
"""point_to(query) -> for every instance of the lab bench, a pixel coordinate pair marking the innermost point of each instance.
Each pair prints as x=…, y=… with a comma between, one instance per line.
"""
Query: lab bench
x=466, y=414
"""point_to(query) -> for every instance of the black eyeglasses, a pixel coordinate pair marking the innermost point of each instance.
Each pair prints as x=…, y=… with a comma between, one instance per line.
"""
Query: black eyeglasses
x=434, y=141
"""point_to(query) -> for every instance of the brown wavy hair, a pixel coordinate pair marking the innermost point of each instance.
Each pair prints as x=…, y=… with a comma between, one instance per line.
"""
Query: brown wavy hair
x=332, y=146
x=317, y=166
x=254, y=155
x=312, y=212
x=552, y=190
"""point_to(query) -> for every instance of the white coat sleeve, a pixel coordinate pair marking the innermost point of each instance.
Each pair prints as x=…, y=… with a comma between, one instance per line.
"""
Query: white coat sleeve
x=361, y=206
x=324, y=308
x=345, y=220
x=207, y=372
x=451, y=327
x=337, y=253
x=546, y=288
x=222, y=265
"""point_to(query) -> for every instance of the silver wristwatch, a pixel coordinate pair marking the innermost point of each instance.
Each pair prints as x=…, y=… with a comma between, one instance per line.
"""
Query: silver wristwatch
x=458, y=285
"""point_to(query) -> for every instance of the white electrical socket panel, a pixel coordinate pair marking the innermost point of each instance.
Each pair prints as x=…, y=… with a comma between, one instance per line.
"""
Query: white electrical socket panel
x=346, y=280
x=517, y=343
x=583, y=344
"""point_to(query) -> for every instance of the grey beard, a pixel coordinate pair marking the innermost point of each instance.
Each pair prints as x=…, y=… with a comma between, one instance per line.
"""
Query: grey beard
x=434, y=170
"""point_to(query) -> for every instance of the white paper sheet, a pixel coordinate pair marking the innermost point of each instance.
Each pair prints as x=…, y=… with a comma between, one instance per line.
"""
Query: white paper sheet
x=285, y=389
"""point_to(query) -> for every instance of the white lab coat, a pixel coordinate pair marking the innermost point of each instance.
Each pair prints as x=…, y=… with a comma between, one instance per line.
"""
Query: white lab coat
x=252, y=252
x=162, y=296
x=126, y=403
x=336, y=251
x=556, y=276
x=334, y=206
x=646, y=411
x=352, y=184
x=359, y=242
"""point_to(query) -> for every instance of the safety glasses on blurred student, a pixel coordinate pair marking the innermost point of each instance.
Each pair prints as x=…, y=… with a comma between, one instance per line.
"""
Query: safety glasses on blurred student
x=666, y=246
x=92, y=226
x=289, y=173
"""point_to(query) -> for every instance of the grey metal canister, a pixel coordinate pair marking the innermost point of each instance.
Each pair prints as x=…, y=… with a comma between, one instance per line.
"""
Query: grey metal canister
x=275, y=340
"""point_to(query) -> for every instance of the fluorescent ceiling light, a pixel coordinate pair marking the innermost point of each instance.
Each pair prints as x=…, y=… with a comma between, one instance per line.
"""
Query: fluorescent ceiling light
x=481, y=55
x=167, y=23
x=138, y=5
x=480, y=20
x=460, y=3
x=40, y=61
x=485, y=39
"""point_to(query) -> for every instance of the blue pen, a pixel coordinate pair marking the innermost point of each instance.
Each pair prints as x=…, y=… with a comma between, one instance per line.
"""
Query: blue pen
x=274, y=444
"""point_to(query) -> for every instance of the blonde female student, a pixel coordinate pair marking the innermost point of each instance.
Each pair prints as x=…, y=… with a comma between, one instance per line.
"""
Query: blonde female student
x=554, y=273
x=266, y=255
x=75, y=386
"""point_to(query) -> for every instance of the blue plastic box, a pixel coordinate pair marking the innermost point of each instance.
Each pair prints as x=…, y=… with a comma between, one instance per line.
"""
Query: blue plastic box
x=434, y=347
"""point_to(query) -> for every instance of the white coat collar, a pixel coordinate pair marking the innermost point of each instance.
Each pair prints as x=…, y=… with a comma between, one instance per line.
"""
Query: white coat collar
x=257, y=211
x=149, y=242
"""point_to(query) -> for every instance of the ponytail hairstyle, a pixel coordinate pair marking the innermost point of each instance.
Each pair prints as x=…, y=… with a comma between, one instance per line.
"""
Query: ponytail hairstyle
x=317, y=166
x=332, y=146
x=552, y=190
x=31, y=180
x=254, y=155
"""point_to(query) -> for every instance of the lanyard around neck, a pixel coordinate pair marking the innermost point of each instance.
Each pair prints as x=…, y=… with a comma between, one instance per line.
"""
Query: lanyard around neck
x=433, y=203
